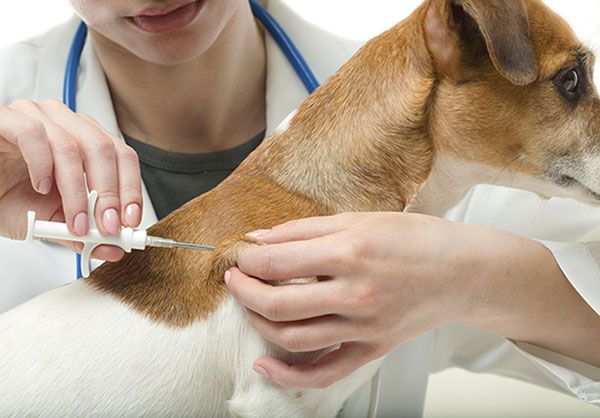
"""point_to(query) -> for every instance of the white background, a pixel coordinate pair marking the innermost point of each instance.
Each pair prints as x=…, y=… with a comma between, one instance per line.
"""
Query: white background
x=452, y=393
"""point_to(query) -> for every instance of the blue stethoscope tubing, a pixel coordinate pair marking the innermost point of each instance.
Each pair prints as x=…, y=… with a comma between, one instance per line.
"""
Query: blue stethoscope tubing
x=286, y=45
x=279, y=35
x=70, y=87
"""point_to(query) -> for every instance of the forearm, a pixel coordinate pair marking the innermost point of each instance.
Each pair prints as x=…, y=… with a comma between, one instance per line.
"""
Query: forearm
x=523, y=295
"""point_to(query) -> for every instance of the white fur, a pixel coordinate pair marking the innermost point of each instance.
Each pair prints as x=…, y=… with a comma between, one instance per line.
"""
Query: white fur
x=452, y=177
x=79, y=352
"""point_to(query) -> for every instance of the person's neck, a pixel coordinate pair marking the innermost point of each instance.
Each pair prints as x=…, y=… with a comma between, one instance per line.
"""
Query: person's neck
x=214, y=102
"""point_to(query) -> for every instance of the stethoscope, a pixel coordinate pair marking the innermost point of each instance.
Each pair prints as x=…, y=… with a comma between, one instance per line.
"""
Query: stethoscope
x=286, y=45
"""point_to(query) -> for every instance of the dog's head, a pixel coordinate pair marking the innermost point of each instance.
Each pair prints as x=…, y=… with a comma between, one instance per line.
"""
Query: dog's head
x=515, y=92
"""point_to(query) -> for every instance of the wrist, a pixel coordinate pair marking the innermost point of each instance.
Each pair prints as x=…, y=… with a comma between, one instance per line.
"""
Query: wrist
x=500, y=279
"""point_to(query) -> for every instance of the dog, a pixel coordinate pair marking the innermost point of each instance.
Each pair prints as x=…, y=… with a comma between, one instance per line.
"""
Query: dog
x=461, y=92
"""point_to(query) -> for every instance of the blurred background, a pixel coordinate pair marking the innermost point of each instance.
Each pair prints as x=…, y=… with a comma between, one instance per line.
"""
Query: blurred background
x=453, y=393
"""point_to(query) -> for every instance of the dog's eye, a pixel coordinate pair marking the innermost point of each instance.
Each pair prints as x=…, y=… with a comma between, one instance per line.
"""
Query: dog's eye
x=568, y=82
x=571, y=81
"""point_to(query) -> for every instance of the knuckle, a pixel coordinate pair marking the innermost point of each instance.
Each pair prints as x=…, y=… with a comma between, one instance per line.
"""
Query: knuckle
x=290, y=340
x=108, y=196
x=53, y=104
x=356, y=248
x=87, y=118
x=22, y=105
x=272, y=309
x=265, y=265
x=286, y=226
x=364, y=297
x=131, y=192
x=349, y=253
x=367, y=294
x=129, y=154
x=102, y=145
x=74, y=198
x=66, y=146
x=31, y=129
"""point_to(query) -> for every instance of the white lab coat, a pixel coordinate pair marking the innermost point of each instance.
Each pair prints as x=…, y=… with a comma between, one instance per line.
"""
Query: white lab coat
x=34, y=69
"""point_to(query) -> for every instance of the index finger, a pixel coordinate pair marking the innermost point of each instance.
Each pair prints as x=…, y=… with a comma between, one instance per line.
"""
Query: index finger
x=292, y=260
x=29, y=135
x=308, y=228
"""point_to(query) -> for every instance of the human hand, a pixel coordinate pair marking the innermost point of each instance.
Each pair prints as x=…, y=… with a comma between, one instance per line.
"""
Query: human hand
x=45, y=149
x=384, y=279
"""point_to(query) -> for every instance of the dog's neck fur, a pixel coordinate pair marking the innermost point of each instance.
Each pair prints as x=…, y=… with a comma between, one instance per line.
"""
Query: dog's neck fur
x=360, y=145
x=372, y=143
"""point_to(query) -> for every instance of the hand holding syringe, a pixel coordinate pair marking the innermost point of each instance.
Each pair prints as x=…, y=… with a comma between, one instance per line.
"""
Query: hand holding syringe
x=127, y=239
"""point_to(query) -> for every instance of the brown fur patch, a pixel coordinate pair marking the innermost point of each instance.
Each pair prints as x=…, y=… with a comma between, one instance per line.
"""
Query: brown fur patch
x=179, y=286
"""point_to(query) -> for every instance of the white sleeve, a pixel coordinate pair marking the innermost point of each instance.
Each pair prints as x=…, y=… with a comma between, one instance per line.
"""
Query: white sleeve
x=574, y=240
x=479, y=351
x=574, y=377
x=579, y=261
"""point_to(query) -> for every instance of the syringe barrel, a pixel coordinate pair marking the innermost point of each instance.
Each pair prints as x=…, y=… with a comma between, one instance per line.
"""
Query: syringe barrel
x=127, y=239
x=53, y=230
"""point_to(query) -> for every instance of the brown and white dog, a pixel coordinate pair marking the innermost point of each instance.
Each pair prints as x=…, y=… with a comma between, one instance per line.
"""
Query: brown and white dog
x=461, y=92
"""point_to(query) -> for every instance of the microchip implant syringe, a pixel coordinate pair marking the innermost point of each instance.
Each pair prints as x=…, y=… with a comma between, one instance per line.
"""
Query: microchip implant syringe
x=127, y=239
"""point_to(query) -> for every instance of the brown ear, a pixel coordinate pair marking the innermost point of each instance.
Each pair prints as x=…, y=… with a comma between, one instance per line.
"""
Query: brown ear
x=457, y=31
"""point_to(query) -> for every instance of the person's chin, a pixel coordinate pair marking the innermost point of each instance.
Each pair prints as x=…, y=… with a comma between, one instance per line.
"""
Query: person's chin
x=171, y=54
x=171, y=50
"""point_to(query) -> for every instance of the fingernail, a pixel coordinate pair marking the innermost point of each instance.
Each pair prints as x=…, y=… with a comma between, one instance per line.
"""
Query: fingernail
x=258, y=233
x=110, y=220
x=132, y=215
x=44, y=186
x=80, y=224
x=261, y=371
x=227, y=277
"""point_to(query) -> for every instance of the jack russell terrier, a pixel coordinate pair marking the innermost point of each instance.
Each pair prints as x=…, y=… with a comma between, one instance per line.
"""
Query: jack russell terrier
x=461, y=92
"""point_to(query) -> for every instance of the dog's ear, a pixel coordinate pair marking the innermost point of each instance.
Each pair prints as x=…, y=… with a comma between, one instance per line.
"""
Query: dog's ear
x=461, y=32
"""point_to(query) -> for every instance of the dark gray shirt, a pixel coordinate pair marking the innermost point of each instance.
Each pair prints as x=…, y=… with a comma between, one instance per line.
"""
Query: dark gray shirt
x=174, y=178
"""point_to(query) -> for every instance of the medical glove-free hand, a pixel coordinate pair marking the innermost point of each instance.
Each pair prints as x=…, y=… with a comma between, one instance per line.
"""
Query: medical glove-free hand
x=44, y=151
x=387, y=278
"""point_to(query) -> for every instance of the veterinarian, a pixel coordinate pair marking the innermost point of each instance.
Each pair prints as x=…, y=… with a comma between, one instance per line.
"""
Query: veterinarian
x=181, y=107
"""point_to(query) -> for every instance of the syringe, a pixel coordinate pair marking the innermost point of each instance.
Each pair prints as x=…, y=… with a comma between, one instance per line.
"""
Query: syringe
x=128, y=238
